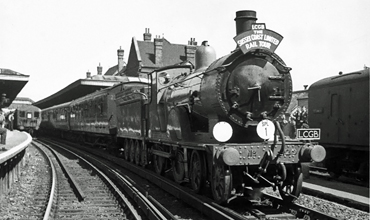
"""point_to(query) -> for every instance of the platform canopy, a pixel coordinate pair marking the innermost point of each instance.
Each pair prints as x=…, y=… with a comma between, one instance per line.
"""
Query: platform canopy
x=78, y=89
x=11, y=83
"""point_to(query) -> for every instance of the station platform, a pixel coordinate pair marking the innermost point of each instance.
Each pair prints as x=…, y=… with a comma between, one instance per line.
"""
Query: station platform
x=14, y=141
x=355, y=196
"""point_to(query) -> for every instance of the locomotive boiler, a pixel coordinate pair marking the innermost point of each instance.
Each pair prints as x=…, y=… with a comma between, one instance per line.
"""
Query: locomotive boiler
x=213, y=123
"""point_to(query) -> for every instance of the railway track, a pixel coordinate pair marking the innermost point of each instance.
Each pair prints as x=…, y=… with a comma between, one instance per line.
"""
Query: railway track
x=348, y=177
x=80, y=190
x=269, y=207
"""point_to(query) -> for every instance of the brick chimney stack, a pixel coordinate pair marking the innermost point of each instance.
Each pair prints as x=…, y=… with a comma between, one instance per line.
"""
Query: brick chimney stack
x=190, y=50
x=120, y=53
x=158, y=50
x=100, y=70
x=147, y=35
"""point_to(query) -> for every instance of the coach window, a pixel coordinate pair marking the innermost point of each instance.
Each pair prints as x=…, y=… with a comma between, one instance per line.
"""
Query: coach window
x=101, y=106
x=29, y=115
x=22, y=114
x=85, y=110
x=37, y=114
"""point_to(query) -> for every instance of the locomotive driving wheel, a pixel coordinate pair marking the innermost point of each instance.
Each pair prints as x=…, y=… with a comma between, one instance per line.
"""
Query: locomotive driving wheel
x=137, y=150
x=126, y=147
x=197, y=171
x=132, y=151
x=291, y=188
x=158, y=161
x=143, y=154
x=178, y=169
x=221, y=183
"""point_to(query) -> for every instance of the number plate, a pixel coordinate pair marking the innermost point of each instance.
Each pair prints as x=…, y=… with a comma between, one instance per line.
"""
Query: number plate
x=309, y=134
x=266, y=129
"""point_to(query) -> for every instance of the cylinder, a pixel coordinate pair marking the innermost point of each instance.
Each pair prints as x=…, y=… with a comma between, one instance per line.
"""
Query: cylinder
x=244, y=20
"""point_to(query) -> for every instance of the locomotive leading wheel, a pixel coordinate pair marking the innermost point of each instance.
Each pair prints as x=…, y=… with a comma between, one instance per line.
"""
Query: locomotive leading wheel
x=126, y=148
x=291, y=188
x=197, y=171
x=221, y=183
x=158, y=162
x=178, y=169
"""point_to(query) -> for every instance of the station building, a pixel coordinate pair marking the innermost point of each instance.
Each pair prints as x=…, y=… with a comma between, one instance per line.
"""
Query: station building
x=11, y=83
x=144, y=56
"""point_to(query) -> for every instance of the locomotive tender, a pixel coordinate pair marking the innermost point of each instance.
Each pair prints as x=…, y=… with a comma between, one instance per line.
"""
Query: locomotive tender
x=215, y=122
x=339, y=105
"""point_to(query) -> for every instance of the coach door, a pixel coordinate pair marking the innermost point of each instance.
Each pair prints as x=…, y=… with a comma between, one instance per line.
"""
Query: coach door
x=337, y=123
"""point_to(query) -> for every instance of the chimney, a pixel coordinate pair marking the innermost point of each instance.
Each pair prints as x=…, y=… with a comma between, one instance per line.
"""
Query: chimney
x=244, y=21
x=100, y=70
x=192, y=42
x=88, y=75
x=305, y=87
x=190, y=50
x=147, y=35
x=120, y=53
x=158, y=50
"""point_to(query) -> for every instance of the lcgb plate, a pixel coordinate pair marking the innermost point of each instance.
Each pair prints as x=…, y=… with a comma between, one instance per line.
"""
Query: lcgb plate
x=309, y=133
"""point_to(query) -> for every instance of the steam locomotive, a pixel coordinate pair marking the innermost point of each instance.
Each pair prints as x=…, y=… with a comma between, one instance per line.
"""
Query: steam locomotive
x=213, y=122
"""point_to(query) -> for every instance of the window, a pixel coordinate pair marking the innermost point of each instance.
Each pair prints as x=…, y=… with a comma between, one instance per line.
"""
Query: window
x=101, y=108
x=164, y=78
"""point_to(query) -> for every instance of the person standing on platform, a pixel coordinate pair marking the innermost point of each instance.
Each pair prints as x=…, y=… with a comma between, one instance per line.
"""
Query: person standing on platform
x=295, y=119
x=2, y=128
x=10, y=121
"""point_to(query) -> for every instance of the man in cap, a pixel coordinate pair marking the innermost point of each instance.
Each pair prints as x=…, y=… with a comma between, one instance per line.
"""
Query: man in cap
x=2, y=127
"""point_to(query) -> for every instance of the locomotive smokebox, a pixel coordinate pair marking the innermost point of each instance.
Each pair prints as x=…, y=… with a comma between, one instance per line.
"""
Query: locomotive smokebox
x=244, y=20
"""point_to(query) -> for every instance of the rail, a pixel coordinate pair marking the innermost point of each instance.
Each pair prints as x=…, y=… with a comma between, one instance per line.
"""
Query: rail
x=12, y=161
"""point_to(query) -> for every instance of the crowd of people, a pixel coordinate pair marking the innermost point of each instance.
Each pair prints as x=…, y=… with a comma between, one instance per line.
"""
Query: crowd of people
x=290, y=122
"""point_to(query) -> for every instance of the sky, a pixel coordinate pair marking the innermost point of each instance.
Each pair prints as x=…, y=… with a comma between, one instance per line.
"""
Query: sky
x=57, y=42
